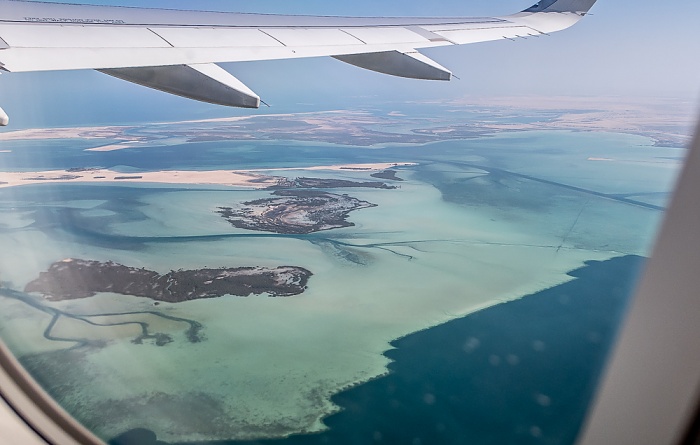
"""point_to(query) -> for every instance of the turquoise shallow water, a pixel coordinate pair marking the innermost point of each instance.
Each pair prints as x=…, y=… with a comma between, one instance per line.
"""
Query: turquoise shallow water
x=475, y=223
x=466, y=381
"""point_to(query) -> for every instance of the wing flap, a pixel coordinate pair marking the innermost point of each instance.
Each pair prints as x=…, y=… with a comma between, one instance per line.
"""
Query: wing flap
x=183, y=37
x=205, y=82
x=294, y=37
x=386, y=35
x=413, y=65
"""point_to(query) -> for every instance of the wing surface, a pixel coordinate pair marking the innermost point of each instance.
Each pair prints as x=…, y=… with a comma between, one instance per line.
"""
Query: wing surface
x=121, y=41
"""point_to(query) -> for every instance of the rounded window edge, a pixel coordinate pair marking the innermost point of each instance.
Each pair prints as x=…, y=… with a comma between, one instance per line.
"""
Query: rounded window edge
x=36, y=408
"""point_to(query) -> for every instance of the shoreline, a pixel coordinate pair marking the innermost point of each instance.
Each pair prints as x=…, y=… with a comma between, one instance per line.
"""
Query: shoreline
x=358, y=127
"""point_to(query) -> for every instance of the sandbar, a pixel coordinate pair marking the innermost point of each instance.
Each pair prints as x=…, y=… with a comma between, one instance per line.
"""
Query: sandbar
x=63, y=133
x=115, y=147
x=210, y=177
x=235, y=178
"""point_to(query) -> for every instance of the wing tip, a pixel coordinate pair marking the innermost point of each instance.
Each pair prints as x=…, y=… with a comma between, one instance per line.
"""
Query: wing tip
x=576, y=6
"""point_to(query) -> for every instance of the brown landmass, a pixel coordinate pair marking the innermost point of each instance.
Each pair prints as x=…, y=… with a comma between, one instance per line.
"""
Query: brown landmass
x=75, y=278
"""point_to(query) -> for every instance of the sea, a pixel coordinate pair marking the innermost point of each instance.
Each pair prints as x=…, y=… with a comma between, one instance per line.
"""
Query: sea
x=476, y=302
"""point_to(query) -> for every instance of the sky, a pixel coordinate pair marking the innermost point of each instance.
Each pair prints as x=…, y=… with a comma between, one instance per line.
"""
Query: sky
x=624, y=48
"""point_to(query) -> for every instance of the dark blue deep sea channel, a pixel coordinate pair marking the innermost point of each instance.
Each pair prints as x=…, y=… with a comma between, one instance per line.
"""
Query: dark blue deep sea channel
x=523, y=372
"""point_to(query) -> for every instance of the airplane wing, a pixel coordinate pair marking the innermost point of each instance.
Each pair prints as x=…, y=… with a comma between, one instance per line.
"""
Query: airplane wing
x=177, y=51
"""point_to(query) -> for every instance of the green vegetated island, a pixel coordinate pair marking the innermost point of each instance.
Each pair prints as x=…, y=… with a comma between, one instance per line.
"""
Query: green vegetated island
x=296, y=209
x=75, y=278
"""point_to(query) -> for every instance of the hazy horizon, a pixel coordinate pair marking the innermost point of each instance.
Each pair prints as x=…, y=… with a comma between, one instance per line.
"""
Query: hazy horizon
x=611, y=53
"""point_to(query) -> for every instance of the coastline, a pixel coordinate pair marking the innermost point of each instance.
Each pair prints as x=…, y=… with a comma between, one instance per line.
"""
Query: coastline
x=359, y=127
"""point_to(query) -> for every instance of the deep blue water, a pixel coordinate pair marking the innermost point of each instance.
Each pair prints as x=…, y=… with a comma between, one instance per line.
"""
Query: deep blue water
x=519, y=373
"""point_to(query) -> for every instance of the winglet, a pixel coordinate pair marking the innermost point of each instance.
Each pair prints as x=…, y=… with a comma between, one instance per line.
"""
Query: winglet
x=549, y=16
x=576, y=6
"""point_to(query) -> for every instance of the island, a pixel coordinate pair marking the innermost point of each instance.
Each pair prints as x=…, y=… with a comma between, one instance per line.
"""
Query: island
x=231, y=178
x=387, y=174
x=75, y=278
x=295, y=212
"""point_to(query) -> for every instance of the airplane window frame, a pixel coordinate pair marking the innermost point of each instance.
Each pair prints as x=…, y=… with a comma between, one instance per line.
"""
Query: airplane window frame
x=637, y=410
x=650, y=392
x=36, y=408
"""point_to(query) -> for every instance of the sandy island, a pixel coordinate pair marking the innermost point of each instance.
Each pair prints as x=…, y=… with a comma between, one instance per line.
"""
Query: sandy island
x=213, y=177
x=233, y=178
x=97, y=132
